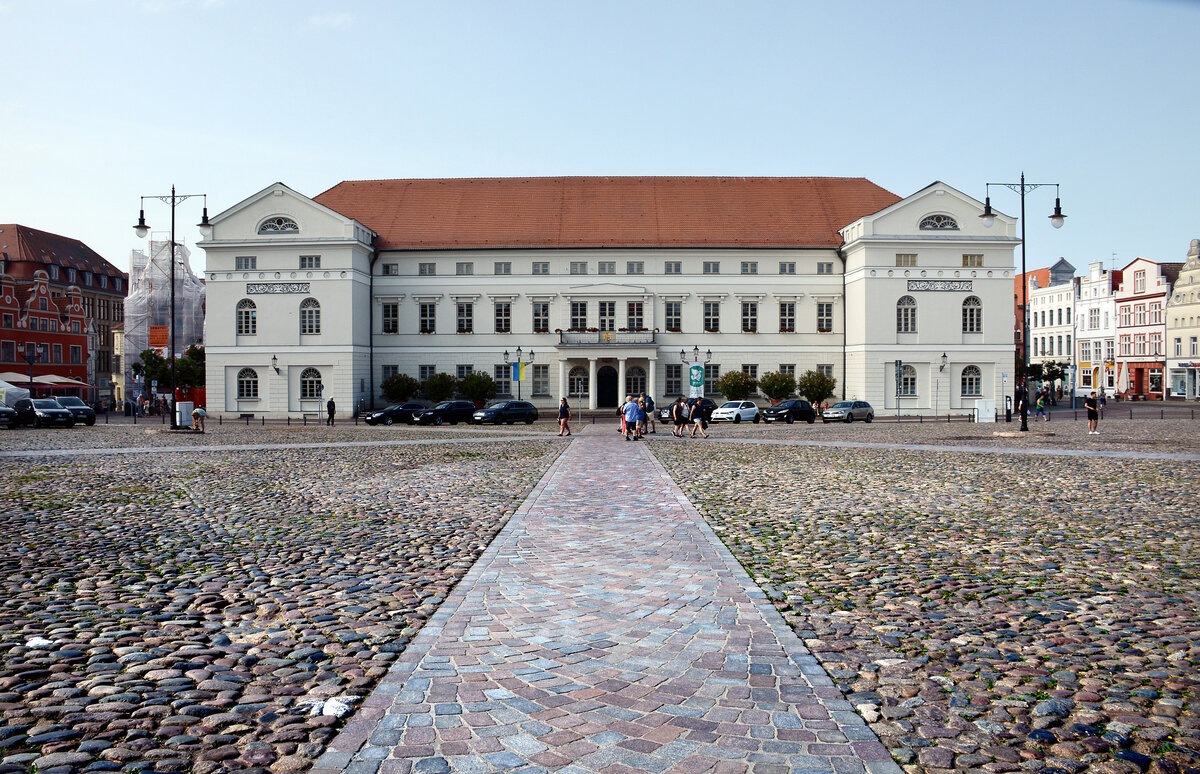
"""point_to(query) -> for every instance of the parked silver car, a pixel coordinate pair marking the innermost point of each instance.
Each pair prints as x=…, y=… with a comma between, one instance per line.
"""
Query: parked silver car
x=847, y=411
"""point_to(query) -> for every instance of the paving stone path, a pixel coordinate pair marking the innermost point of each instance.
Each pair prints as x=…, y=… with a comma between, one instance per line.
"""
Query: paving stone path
x=606, y=629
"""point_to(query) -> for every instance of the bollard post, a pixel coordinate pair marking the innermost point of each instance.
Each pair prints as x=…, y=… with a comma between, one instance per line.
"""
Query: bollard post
x=247, y=421
x=289, y=420
x=1160, y=414
x=264, y=421
x=1131, y=413
x=305, y=417
x=219, y=418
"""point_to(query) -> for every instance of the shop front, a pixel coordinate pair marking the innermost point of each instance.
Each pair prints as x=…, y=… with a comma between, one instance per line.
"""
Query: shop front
x=1183, y=380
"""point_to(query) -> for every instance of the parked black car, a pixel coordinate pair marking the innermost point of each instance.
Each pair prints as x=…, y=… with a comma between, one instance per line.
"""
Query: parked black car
x=43, y=412
x=707, y=405
x=507, y=411
x=8, y=415
x=397, y=412
x=452, y=411
x=789, y=411
x=81, y=411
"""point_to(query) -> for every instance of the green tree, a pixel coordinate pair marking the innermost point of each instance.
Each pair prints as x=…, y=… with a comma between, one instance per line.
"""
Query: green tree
x=153, y=367
x=398, y=388
x=816, y=387
x=735, y=385
x=777, y=386
x=189, y=369
x=478, y=386
x=439, y=387
x=1035, y=372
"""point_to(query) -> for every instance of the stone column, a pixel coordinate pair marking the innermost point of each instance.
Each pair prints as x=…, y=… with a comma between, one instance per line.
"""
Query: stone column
x=652, y=378
x=620, y=380
x=563, y=387
x=592, y=397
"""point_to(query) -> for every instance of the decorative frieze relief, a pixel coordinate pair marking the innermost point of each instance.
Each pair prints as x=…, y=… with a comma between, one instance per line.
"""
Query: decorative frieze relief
x=256, y=288
x=939, y=285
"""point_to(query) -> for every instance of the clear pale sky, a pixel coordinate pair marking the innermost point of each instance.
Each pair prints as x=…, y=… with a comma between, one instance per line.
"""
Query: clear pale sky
x=108, y=101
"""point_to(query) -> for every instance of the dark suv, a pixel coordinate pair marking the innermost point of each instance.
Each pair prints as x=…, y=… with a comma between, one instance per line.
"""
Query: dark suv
x=452, y=411
x=507, y=411
x=789, y=411
x=80, y=410
x=43, y=412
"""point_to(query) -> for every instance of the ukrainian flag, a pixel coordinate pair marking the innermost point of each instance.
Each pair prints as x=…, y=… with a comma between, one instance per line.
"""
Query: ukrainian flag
x=519, y=372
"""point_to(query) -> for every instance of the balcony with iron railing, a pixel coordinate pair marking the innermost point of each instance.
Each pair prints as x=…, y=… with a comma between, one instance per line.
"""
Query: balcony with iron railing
x=592, y=337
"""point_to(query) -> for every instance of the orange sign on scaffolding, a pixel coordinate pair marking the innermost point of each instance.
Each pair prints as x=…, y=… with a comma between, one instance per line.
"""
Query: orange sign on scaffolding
x=158, y=336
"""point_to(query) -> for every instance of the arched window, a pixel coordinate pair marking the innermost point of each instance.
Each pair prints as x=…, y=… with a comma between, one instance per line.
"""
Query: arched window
x=310, y=384
x=972, y=382
x=247, y=318
x=635, y=381
x=278, y=226
x=310, y=316
x=908, y=381
x=939, y=223
x=906, y=315
x=247, y=384
x=972, y=315
x=577, y=381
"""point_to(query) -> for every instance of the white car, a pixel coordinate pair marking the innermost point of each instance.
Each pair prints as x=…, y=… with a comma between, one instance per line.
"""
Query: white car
x=736, y=411
x=847, y=411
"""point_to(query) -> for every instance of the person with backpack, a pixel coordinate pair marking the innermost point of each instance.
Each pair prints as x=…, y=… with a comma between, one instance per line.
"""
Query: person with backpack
x=650, y=413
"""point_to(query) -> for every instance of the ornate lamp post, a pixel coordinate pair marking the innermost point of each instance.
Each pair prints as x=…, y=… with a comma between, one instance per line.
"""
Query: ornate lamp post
x=141, y=229
x=522, y=358
x=31, y=356
x=1056, y=219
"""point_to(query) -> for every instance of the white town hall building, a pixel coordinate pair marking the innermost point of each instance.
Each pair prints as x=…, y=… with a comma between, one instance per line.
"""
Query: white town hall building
x=606, y=280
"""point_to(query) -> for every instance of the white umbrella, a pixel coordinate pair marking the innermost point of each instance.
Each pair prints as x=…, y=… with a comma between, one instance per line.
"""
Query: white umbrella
x=1122, y=377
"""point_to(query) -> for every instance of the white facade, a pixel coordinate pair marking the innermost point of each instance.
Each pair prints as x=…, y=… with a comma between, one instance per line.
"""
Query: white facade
x=1095, y=331
x=1183, y=329
x=925, y=278
x=603, y=322
x=1052, y=322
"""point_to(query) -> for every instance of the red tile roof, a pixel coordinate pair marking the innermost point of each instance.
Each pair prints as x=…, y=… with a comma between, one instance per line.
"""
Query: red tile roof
x=608, y=211
x=22, y=243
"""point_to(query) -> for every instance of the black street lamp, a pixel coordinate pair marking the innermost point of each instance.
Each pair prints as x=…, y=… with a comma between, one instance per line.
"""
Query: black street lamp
x=522, y=358
x=141, y=229
x=1056, y=219
x=31, y=356
x=695, y=355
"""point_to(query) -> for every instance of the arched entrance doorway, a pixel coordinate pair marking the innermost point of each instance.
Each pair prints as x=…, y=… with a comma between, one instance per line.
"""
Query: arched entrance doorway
x=606, y=387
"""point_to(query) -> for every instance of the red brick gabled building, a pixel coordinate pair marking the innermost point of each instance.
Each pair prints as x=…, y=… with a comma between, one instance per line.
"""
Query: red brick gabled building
x=63, y=273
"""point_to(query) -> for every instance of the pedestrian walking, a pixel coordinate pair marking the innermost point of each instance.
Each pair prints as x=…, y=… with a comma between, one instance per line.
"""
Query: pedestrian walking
x=564, y=416
x=640, y=429
x=1041, y=407
x=623, y=430
x=330, y=408
x=1103, y=402
x=650, y=413
x=629, y=413
x=697, y=417
x=1093, y=413
x=678, y=417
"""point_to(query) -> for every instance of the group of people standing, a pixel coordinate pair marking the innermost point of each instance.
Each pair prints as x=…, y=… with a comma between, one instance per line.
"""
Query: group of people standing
x=636, y=415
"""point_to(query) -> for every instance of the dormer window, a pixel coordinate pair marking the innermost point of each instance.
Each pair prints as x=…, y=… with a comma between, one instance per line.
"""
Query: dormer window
x=279, y=226
x=939, y=223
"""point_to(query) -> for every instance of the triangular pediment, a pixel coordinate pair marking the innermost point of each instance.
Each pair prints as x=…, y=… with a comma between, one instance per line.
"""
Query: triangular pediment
x=278, y=212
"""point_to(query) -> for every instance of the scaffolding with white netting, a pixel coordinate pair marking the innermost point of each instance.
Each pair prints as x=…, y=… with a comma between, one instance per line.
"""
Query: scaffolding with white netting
x=149, y=304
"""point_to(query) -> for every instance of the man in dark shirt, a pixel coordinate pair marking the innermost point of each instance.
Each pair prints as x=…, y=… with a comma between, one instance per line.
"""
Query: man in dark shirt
x=1092, y=404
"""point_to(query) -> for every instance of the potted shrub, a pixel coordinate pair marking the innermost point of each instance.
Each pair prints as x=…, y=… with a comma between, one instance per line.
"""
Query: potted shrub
x=777, y=386
x=478, y=387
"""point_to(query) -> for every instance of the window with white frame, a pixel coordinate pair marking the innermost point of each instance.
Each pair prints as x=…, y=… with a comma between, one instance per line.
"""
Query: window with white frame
x=463, y=370
x=1069, y=348
x=391, y=269
x=1156, y=344
x=427, y=269
x=938, y=223
x=579, y=267
x=247, y=318
x=972, y=261
x=972, y=315
x=502, y=374
x=310, y=316
x=787, y=316
x=673, y=267
x=577, y=382
x=1085, y=377
x=541, y=267
x=635, y=381
x=674, y=383
x=541, y=316
x=608, y=315
x=787, y=267
x=634, y=315
x=390, y=317
x=906, y=315
x=1068, y=315
x=1156, y=313
x=825, y=369
x=427, y=317
x=1139, y=344
x=245, y=263
x=711, y=374
x=1093, y=319
x=247, y=384
x=541, y=379
x=1125, y=316
x=502, y=267
x=310, y=262
x=750, y=316
x=1139, y=281
x=712, y=316
x=387, y=372
x=749, y=267
x=1192, y=347
x=310, y=384
x=750, y=369
x=673, y=315
x=712, y=267
x=1085, y=351
x=906, y=259
x=635, y=267
x=464, y=316
x=578, y=315
x=503, y=317
x=972, y=382
x=788, y=369
x=908, y=381
x=1139, y=314
x=464, y=268
x=1178, y=347
x=1108, y=350
x=278, y=226
x=824, y=316
x=606, y=267
x=824, y=267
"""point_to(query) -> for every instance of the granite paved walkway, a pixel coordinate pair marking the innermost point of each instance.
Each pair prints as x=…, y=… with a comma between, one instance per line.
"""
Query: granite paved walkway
x=606, y=629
